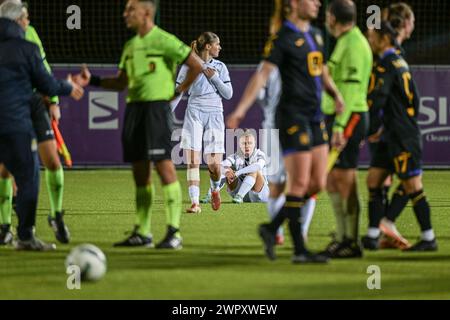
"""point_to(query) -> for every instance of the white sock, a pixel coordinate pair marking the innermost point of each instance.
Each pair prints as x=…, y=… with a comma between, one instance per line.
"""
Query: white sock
x=215, y=185
x=307, y=212
x=246, y=186
x=373, y=233
x=428, y=235
x=274, y=206
x=194, y=194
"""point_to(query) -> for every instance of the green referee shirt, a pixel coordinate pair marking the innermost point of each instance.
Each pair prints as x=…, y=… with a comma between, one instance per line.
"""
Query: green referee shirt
x=350, y=67
x=32, y=36
x=150, y=63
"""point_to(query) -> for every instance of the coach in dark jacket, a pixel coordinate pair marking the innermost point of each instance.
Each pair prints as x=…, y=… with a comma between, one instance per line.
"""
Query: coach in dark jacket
x=21, y=70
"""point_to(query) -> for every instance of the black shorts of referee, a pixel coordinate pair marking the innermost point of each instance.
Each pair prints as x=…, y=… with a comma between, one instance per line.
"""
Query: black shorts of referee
x=349, y=157
x=41, y=119
x=147, y=131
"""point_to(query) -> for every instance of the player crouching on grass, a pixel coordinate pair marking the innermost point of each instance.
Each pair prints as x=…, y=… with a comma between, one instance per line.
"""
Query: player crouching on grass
x=244, y=172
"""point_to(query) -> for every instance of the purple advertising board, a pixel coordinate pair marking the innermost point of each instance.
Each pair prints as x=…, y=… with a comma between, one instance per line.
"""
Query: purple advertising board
x=92, y=126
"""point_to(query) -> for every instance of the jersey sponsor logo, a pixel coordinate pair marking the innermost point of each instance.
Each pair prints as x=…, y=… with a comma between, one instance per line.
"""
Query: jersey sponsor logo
x=411, y=112
x=293, y=130
x=299, y=42
x=269, y=46
x=103, y=110
x=400, y=63
x=304, y=139
x=151, y=67
x=34, y=145
x=319, y=39
x=380, y=69
x=352, y=71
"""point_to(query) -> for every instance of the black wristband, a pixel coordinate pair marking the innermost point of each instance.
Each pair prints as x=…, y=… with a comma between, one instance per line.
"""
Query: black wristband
x=177, y=92
x=95, y=81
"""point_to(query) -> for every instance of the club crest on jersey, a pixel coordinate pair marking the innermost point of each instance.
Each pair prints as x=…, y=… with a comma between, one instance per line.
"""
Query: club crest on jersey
x=293, y=130
x=319, y=40
x=151, y=67
x=299, y=42
x=304, y=139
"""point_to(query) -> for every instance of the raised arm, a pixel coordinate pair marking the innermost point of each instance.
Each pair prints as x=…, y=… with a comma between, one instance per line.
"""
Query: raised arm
x=117, y=83
x=222, y=82
x=48, y=85
x=194, y=69
x=256, y=167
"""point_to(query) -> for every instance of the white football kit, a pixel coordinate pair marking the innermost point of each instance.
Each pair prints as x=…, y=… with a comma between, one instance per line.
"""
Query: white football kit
x=203, y=121
x=268, y=99
x=242, y=167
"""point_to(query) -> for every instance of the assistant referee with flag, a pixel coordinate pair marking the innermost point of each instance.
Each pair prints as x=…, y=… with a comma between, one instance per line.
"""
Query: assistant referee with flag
x=350, y=66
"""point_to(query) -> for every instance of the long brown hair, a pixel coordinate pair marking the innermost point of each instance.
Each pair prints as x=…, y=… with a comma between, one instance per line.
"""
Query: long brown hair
x=281, y=11
x=397, y=14
x=205, y=38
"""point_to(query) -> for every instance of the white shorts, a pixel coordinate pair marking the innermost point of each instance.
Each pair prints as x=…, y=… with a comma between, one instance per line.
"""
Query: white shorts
x=203, y=127
x=280, y=176
x=275, y=168
x=252, y=196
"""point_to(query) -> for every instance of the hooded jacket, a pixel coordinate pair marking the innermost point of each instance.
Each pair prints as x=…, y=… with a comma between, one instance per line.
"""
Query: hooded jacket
x=22, y=70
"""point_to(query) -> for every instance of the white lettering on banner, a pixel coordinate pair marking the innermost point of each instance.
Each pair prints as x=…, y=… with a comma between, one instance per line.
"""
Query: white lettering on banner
x=434, y=119
x=103, y=110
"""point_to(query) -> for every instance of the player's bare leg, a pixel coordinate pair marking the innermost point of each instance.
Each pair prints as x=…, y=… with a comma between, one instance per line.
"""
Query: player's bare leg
x=342, y=189
x=317, y=184
x=193, y=179
x=275, y=203
x=252, y=182
x=260, y=182
x=215, y=172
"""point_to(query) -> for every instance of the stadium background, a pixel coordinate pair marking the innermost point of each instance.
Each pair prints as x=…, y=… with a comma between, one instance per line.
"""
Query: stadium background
x=92, y=126
x=241, y=24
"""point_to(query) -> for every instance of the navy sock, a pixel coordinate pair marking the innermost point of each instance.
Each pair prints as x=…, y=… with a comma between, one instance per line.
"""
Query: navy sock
x=398, y=203
x=421, y=209
x=292, y=208
x=376, y=207
x=386, y=198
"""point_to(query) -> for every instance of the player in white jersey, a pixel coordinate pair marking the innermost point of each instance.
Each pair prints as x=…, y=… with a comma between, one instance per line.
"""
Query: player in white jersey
x=244, y=172
x=203, y=122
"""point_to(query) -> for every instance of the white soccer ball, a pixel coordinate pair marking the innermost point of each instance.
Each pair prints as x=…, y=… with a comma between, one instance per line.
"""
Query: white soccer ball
x=90, y=259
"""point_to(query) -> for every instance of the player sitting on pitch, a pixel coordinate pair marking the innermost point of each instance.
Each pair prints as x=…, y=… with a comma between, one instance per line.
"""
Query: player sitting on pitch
x=244, y=172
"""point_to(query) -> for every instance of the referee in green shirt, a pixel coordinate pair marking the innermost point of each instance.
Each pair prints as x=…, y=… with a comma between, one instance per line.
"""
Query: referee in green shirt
x=147, y=68
x=350, y=66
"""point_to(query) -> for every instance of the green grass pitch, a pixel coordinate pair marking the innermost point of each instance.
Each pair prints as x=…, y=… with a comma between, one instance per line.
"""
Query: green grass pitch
x=222, y=256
